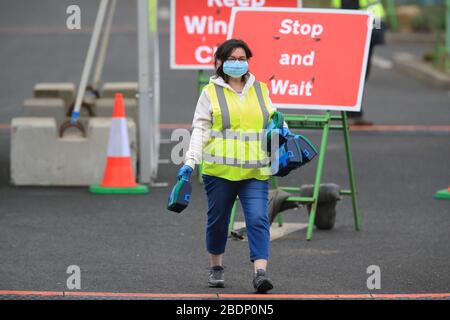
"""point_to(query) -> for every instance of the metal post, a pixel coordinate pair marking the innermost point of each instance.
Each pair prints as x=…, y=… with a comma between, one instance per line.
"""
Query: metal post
x=350, y=170
x=144, y=92
x=447, y=36
x=322, y=151
x=202, y=81
x=89, y=59
x=391, y=13
x=154, y=84
x=103, y=46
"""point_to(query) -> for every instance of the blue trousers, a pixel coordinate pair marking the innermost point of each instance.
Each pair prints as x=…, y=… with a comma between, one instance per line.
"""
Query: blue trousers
x=253, y=195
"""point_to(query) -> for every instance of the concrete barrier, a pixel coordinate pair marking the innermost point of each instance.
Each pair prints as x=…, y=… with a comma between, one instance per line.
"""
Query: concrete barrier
x=63, y=90
x=55, y=108
x=128, y=89
x=103, y=107
x=51, y=108
x=39, y=157
x=45, y=107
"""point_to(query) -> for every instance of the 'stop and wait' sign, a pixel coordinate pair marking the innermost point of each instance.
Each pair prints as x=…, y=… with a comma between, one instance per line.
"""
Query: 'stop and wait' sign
x=310, y=58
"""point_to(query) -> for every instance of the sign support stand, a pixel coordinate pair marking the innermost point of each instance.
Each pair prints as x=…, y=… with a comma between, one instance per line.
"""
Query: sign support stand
x=324, y=123
x=353, y=191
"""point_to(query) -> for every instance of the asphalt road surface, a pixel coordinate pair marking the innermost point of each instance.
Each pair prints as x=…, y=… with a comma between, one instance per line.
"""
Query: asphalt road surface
x=132, y=244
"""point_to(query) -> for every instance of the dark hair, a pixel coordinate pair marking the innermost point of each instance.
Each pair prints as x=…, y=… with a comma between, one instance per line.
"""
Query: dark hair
x=225, y=50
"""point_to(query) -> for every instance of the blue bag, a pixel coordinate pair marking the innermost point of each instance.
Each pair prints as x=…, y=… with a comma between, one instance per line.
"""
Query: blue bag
x=294, y=153
x=180, y=195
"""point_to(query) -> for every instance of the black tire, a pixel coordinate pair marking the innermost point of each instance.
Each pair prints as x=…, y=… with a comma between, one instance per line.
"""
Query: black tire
x=326, y=206
x=325, y=216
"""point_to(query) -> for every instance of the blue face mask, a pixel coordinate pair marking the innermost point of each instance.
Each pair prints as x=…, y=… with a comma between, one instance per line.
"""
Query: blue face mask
x=235, y=69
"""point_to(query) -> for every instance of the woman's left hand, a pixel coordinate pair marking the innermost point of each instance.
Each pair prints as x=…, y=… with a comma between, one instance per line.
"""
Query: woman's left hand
x=185, y=171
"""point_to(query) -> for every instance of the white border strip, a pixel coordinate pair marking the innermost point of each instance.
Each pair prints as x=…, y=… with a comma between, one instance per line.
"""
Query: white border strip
x=235, y=10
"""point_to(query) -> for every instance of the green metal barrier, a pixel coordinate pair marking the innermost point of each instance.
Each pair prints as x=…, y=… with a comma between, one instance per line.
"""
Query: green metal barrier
x=391, y=14
x=325, y=123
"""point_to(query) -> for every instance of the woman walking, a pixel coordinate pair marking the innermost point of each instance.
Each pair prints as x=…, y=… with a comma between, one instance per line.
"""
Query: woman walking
x=232, y=112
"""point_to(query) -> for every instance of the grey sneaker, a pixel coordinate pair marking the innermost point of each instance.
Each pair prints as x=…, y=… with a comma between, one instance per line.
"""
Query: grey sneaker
x=261, y=283
x=216, y=277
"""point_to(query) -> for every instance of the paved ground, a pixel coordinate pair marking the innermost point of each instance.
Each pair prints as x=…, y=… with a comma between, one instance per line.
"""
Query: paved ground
x=132, y=244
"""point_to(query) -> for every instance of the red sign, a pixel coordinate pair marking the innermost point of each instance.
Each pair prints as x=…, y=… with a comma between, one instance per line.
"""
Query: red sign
x=310, y=58
x=198, y=27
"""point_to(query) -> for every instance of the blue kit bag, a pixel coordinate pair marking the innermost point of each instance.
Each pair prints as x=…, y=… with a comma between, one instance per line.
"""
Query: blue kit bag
x=180, y=195
x=292, y=154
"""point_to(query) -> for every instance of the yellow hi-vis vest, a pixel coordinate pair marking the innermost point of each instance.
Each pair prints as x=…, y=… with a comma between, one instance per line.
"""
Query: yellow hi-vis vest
x=234, y=151
x=374, y=6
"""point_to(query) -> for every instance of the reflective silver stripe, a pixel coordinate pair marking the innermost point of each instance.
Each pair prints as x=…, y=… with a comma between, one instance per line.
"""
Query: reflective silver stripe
x=226, y=134
x=258, y=164
x=238, y=135
x=223, y=106
x=221, y=160
x=262, y=104
x=251, y=164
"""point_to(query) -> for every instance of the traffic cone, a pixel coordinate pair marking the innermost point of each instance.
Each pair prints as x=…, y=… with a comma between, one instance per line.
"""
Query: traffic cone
x=118, y=177
x=443, y=194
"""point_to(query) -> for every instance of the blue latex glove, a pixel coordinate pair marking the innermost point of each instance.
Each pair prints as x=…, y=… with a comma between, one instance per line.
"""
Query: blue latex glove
x=284, y=132
x=185, y=172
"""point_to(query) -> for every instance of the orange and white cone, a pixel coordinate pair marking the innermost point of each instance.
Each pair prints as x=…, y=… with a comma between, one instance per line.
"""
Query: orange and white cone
x=118, y=177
